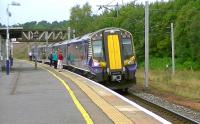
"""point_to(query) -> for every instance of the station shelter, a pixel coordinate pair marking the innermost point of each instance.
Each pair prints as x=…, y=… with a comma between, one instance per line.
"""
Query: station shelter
x=14, y=32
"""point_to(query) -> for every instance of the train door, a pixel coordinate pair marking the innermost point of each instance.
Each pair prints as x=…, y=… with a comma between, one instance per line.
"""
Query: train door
x=113, y=50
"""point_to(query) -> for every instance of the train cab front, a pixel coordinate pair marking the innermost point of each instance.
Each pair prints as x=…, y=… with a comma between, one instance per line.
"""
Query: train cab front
x=120, y=58
x=114, y=56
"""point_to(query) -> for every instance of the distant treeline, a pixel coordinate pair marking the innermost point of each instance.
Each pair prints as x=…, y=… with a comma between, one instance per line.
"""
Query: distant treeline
x=45, y=25
x=185, y=14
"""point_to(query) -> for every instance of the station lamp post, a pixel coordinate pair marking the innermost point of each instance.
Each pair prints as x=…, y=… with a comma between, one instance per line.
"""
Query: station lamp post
x=8, y=36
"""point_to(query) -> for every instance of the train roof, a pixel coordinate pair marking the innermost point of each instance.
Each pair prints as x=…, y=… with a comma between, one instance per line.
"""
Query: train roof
x=110, y=28
x=57, y=44
x=87, y=36
x=77, y=39
x=65, y=42
x=49, y=45
x=41, y=46
x=82, y=38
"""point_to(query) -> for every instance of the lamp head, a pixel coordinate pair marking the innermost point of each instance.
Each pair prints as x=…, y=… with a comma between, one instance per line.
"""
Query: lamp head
x=15, y=3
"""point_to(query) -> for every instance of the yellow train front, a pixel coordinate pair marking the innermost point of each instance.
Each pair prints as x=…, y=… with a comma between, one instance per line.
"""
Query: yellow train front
x=113, y=58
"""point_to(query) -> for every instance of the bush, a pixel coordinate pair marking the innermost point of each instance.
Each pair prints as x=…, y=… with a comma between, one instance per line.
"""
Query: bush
x=157, y=63
x=187, y=64
x=180, y=64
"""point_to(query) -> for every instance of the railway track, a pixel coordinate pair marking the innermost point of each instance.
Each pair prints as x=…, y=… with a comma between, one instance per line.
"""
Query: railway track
x=167, y=114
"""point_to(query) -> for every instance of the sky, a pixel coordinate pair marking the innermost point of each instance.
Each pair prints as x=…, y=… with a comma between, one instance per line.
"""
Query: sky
x=49, y=10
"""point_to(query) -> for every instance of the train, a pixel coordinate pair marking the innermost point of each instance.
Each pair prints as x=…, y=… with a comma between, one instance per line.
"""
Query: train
x=106, y=55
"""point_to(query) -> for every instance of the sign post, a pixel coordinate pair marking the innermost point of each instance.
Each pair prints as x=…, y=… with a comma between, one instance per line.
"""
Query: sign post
x=172, y=39
x=146, y=44
x=35, y=36
x=35, y=55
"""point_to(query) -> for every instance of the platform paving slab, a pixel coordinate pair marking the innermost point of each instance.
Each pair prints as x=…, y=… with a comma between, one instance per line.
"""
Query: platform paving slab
x=96, y=114
x=29, y=96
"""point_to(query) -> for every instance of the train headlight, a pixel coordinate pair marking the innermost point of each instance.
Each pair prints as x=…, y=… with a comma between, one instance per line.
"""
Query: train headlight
x=130, y=61
x=95, y=63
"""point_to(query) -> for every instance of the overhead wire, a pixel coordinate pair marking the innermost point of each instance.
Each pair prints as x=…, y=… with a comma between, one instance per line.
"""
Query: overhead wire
x=104, y=6
x=110, y=2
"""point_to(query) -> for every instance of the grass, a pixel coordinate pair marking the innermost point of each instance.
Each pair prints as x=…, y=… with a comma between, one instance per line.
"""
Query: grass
x=184, y=83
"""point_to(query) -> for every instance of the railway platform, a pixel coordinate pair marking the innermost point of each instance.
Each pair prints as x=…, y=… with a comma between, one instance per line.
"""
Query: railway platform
x=47, y=96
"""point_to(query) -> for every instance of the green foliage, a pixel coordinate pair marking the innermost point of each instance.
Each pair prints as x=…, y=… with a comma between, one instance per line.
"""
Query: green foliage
x=81, y=18
x=158, y=63
x=44, y=25
x=185, y=14
x=2, y=25
x=188, y=64
x=187, y=35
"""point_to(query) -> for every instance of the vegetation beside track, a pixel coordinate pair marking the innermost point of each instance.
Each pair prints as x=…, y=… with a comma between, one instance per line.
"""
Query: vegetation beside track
x=182, y=88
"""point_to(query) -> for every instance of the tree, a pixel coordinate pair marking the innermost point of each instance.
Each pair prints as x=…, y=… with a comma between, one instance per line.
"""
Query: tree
x=81, y=19
x=30, y=25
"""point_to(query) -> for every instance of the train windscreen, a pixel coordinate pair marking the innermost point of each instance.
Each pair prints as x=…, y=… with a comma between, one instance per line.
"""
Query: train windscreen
x=98, y=50
x=127, y=48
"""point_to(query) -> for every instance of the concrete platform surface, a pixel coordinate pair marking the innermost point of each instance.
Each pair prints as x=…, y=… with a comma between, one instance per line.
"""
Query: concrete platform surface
x=47, y=96
x=29, y=96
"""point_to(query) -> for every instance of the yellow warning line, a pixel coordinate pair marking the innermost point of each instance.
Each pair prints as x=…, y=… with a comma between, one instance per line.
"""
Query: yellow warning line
x=75, y=100
x=116, y=116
